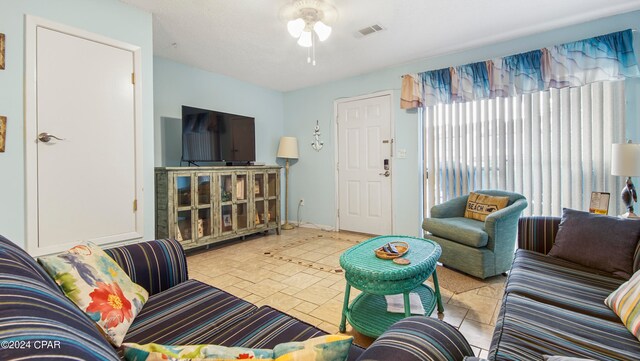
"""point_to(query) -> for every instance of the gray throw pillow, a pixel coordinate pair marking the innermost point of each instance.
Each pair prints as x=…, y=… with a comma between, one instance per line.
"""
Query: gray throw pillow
x=596, y=241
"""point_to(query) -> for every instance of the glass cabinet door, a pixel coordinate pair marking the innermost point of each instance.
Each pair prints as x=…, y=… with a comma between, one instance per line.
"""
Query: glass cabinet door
x=241, y=187
x=242, y=216
x=183, y=228
x=226, y=219
x=258, y=186
x=183, y=188
x=271, y=185
x=204, y=190
x=226, y=191
x=260, y=214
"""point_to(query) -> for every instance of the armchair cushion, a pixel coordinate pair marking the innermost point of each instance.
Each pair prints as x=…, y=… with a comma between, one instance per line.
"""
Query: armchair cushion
x=479, y=206
x=463, y=230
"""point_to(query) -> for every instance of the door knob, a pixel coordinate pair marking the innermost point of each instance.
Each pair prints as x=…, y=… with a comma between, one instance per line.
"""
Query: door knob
x=386, y=173
x=46, y=137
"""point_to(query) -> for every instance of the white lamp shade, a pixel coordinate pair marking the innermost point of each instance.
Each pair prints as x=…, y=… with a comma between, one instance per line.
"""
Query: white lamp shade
x=305, y=39
x=295, y=27
x=288, y=148
x=322, y=30
x=625, y=160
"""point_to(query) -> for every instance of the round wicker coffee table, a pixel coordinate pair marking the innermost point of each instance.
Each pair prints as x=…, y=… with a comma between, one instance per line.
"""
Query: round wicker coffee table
x=377, y=277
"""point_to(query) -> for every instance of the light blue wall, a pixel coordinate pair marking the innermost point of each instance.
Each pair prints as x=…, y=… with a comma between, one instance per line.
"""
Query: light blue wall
x=313, y=177
x=176, y=84
x=110, y=18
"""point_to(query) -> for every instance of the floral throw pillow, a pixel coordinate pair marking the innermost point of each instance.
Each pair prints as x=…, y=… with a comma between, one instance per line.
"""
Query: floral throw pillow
x=99, y=287
x=323, y=348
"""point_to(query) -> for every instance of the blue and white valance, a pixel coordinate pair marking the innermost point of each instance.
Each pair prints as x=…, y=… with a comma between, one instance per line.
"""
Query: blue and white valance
x=606, y=57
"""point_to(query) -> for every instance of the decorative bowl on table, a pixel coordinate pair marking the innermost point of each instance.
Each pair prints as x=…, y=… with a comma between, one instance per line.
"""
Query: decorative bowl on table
x=392, y=250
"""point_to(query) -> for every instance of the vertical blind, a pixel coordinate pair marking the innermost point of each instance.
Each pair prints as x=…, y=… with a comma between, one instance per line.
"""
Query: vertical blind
x=554, y=147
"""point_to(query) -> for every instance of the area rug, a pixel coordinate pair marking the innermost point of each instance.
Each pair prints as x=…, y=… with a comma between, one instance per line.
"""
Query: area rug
x=457, y=282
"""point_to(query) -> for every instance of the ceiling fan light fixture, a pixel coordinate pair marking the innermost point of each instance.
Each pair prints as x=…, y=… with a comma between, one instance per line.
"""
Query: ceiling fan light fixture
x=295, y=27
x=322, y=30
x=305, y=39
x=307, y=22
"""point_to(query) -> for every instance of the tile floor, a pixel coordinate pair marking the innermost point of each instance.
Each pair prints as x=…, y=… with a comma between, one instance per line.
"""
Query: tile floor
x=304, y=280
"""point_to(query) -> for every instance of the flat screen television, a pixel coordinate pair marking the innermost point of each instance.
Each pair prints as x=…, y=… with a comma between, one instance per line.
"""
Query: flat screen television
x=211, y=136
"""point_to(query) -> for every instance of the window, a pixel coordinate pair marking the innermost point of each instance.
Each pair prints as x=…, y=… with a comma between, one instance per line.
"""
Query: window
x=554, y=147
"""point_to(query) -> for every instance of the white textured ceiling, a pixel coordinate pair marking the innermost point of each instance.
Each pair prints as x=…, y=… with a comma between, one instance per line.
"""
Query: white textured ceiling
x=247, y=40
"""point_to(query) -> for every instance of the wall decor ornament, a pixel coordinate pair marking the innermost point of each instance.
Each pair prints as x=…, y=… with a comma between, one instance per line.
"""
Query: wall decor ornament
x=317, y=143
x=1, y=51
x=3, y=132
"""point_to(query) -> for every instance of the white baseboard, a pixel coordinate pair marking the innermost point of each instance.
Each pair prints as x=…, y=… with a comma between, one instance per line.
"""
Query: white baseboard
x=315, y=226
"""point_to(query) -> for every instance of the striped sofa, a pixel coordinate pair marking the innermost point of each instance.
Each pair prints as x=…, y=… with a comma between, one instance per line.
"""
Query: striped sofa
x=37, y=321
x=555, y=307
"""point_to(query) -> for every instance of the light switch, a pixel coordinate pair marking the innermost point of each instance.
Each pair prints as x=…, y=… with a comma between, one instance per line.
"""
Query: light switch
x=402, y=153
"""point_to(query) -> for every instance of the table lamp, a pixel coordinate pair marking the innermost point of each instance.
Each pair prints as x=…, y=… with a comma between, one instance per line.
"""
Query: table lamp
x=625, y=161
x=288, y=149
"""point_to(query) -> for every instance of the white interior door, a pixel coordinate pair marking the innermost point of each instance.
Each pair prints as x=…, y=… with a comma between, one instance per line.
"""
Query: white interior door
x=364, y=165
x=85, y=185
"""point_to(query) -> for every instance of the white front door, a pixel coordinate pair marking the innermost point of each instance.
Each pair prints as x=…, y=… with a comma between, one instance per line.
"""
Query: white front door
x=364, y=165
x=85, y=185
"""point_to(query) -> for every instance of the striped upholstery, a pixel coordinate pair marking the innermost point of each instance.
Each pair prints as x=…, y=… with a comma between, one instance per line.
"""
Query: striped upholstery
x=34, y=310
x=537, y=233
x=268, y=327
x=419, y=338
x=155, y=265
x=189, y=313
x=527, y=329
x=561, y=283
x=555, y=307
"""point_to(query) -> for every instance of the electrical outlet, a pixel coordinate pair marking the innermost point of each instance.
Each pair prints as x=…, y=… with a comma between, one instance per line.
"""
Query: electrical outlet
x=302, y=201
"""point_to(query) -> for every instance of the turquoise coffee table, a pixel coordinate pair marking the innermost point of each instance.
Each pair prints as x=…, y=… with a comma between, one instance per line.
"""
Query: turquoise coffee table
x=377, y=277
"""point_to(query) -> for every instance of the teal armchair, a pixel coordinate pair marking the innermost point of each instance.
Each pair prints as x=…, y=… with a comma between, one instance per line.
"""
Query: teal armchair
x=481, y=249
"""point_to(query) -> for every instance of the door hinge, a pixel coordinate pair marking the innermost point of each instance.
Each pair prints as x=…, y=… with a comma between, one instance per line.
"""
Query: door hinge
x=133, y=78
x=337, y=165
x=135, y=205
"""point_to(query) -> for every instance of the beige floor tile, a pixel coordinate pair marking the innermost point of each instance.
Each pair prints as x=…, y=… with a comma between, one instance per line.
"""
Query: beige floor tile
x=311, y=256
x=305, y=317
x=290, y=290
x=253, y=298
x=484, y=354
x=476, y=351
x=331, y=312
x=453, y=315
x=301, y=280
x=278, y=277
x=477, y=334
x=244, y=284
x=327, y=282
x=289, y=269
x=480, y=308
x=317, y=294
x=225, y=281
x=306, y=307
x=280, y=301
x=238, y=292
x=495, y=291
x=328, y=327
x=263, y=290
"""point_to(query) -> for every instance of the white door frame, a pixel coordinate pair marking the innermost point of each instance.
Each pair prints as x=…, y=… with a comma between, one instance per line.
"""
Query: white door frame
x=337, y=149
x=31, y=145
